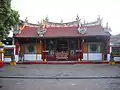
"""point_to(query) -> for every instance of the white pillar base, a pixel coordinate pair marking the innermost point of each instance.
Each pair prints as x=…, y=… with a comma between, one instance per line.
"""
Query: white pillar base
x=16, y=58
x=2, y=57
x=108, y=57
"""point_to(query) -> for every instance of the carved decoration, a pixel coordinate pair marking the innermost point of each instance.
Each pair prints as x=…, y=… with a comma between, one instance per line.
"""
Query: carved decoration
x=77, y=18
x=82, y=30
x=107, y=29
x=61, y=21
x=41, y=32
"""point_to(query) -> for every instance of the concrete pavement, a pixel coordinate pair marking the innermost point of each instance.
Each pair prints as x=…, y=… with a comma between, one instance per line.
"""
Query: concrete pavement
x=76, y=70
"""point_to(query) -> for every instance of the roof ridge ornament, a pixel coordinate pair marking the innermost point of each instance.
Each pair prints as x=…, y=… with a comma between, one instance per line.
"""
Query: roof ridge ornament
x=61, y=21
x=77, y=18
x=106, y=25
x=46, y=19
x=82, y=30
x=41, y=30
x=107, y=28
x=99, y=20
x=84, y=21
x=26, y=20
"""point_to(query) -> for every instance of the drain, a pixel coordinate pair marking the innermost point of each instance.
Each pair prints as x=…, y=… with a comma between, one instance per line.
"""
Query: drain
x=1, y=86
x=23, y=67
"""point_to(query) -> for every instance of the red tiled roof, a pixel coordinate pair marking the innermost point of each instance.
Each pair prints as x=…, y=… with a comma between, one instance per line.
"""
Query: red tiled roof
x=63, y=31
x=28, y=32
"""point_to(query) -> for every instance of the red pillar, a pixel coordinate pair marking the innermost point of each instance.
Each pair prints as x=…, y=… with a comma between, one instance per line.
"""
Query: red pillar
x=82, y=48
x=44, y=51
x=79, y=58
x=1, y=57
x=16, y=48
x=108, y=46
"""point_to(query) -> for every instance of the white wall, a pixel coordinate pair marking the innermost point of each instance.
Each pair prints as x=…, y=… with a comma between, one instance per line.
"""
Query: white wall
x=85, y=56
x=16, y=58
x=7, y=59
x=108, y=57
x=92, y=56
x=117, y=58
x=95, y=56
x=33, y=57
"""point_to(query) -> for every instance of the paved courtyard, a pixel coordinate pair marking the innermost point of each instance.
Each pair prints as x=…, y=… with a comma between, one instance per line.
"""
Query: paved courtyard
x=68, y=72
x=75, y=70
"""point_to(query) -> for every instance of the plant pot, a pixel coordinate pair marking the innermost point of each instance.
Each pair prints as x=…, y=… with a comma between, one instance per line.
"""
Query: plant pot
x=112, y=62
x=13, y=63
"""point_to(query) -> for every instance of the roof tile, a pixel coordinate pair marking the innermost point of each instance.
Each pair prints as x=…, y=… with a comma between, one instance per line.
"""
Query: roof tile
x=63, y=31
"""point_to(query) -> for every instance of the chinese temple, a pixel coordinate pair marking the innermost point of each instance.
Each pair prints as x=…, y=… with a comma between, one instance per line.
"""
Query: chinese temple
x=70, y=41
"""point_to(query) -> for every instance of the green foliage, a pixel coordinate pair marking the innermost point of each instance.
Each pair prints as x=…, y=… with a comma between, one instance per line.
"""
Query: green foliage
x=31, y=48
x=9, y=18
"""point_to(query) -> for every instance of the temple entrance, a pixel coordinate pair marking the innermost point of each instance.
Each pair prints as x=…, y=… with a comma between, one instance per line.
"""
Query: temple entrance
x=62, y=45
x=62, y=49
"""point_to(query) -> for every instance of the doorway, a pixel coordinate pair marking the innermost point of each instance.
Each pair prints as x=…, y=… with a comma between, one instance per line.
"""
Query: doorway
x=62, y=45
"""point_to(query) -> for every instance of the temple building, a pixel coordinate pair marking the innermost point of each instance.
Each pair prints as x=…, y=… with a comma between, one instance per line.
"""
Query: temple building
x=71, y=41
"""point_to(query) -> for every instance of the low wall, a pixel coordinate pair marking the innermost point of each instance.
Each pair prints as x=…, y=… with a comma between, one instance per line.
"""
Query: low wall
x=92, y=56
x=33, y=57
x=117, y=58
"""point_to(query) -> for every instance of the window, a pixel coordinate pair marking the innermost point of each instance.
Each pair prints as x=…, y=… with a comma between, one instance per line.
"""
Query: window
x=73, y=47
x=94, y=48
x=115, y=49
x=50, y=47
x=8, y=52
x=30, y=48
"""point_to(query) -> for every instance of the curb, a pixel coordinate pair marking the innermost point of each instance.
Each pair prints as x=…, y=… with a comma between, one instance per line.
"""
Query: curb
x=49, y=62
x=34, y=77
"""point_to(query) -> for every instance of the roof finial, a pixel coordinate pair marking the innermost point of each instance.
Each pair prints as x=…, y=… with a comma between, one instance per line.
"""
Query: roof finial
x=84, y=21
x=77, y=18
x=107, y=25
x=46, y=19
x=110, y=29
x=26, y=20
x=98, y=19
x=40, y=24
x=79, y=23
x=61, y=21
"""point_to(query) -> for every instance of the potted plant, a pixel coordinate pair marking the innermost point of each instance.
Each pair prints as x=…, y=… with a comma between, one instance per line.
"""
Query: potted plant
x=112, y=62
x=13, y=62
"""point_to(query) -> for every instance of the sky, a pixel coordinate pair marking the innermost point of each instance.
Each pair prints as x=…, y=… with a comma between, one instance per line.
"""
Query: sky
x=67, y=10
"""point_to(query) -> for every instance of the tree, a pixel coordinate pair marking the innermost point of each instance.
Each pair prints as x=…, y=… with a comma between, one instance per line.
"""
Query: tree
x=9, y=18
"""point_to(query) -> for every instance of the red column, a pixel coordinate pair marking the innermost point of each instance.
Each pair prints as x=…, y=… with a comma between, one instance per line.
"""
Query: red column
x=16, y=48
x=1, y=61
x=44, y=51
x=79, y=58
x=82, y=47
x=108, y=46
